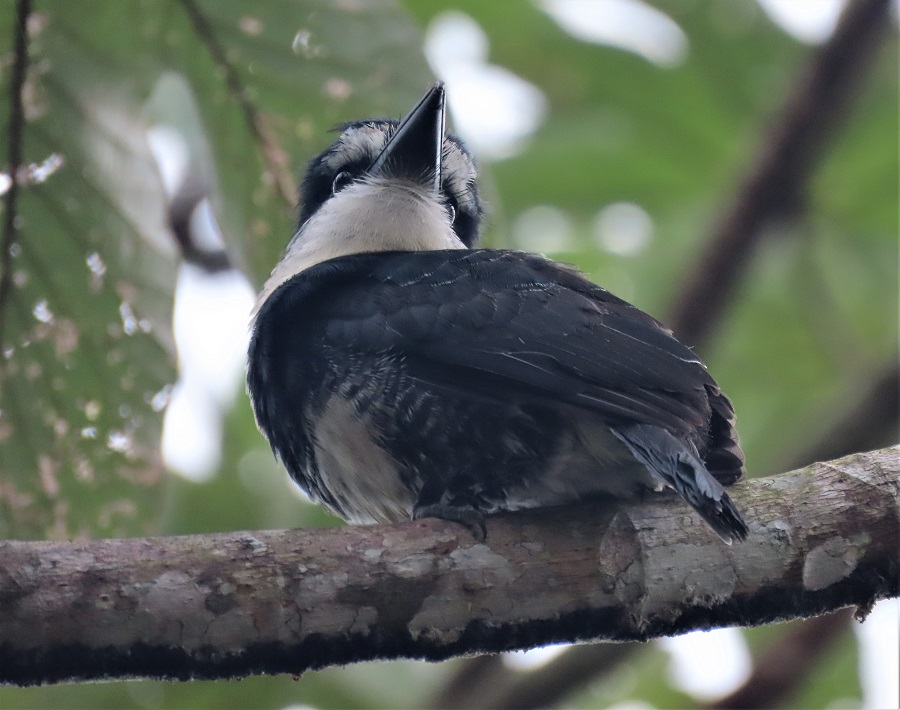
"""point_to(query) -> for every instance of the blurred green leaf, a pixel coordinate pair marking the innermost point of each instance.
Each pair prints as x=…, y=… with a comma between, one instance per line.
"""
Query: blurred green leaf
x=87, y=342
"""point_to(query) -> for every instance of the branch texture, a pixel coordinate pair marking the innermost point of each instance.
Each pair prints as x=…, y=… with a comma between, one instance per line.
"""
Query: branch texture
x=227, y=605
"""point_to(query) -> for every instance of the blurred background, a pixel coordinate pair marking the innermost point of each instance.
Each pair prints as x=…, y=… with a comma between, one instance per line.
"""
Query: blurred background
x=730, y=166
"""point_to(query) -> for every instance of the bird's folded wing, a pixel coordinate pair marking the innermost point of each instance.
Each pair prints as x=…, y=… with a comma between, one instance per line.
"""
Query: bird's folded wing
x=507, y=325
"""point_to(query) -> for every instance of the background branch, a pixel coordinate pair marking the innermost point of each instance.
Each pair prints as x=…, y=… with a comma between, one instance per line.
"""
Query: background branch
x=869, y=423
x=227, y=605
x=773, y=681
x=14, y=158
x=275, y=159
x=789, y=153
x=541, y=687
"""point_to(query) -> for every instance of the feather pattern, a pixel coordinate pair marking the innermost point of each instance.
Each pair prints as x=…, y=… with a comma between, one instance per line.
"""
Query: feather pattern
x=501, y=352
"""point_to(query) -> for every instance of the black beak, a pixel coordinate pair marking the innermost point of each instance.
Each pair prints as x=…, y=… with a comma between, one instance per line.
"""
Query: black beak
x=414, y=151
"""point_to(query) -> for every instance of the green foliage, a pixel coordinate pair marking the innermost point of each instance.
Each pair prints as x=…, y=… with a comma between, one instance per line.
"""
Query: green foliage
x=83, y=376
x=88, y=350
x=87, y=335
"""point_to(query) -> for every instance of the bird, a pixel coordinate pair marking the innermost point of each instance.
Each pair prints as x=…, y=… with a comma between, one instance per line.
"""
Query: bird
x=401, y=372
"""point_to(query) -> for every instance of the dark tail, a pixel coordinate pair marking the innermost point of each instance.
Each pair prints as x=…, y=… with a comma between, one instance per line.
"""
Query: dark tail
x=672, y=463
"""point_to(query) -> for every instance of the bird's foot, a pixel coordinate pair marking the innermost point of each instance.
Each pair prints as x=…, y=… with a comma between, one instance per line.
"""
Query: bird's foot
x=467, y=516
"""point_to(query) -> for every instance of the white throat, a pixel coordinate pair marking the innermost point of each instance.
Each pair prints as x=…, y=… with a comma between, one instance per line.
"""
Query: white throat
x=368, y=216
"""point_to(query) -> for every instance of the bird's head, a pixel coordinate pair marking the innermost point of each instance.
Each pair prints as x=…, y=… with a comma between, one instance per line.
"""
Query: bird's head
x=385, y=185
x=416, y=154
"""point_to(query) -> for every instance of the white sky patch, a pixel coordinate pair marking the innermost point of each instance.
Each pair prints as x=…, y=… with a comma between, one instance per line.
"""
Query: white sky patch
x=708, y=664
x=192, y=434
x=879, y=655
x=211, y=332
x=42, y=312
x=40, y=172
x=33, y=173
x=170, y=150
x=544, y=229
x=623, y=228
x=210, y=323
x=494, y=111
x=205, y=228
x=535, y=658
x=810, y=21
x=630, y=25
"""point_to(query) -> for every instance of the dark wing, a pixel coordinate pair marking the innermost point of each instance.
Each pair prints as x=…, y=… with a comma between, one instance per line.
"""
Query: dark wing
x=509, y=325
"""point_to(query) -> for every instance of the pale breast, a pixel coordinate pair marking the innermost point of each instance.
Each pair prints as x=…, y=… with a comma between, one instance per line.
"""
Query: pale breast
x=361, y=476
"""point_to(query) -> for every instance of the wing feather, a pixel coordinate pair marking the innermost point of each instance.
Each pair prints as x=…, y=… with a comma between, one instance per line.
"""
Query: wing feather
x=492, y=325
x=487, y=323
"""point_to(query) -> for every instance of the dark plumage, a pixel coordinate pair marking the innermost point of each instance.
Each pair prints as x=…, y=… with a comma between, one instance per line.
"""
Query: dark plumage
x=457, y=382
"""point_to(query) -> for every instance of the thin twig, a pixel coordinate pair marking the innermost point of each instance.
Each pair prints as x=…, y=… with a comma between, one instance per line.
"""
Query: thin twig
x=182, y=206
x=274, y=157
x=870, y=424
x=790, y=152
x=16, y=126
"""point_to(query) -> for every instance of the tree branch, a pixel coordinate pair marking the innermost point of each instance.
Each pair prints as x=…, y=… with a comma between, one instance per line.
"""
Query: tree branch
x=870, y=423
x=227, y=605
x=789, y=154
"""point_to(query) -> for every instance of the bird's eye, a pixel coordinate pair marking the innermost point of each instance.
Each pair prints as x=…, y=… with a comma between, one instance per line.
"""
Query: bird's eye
x=341, y=180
